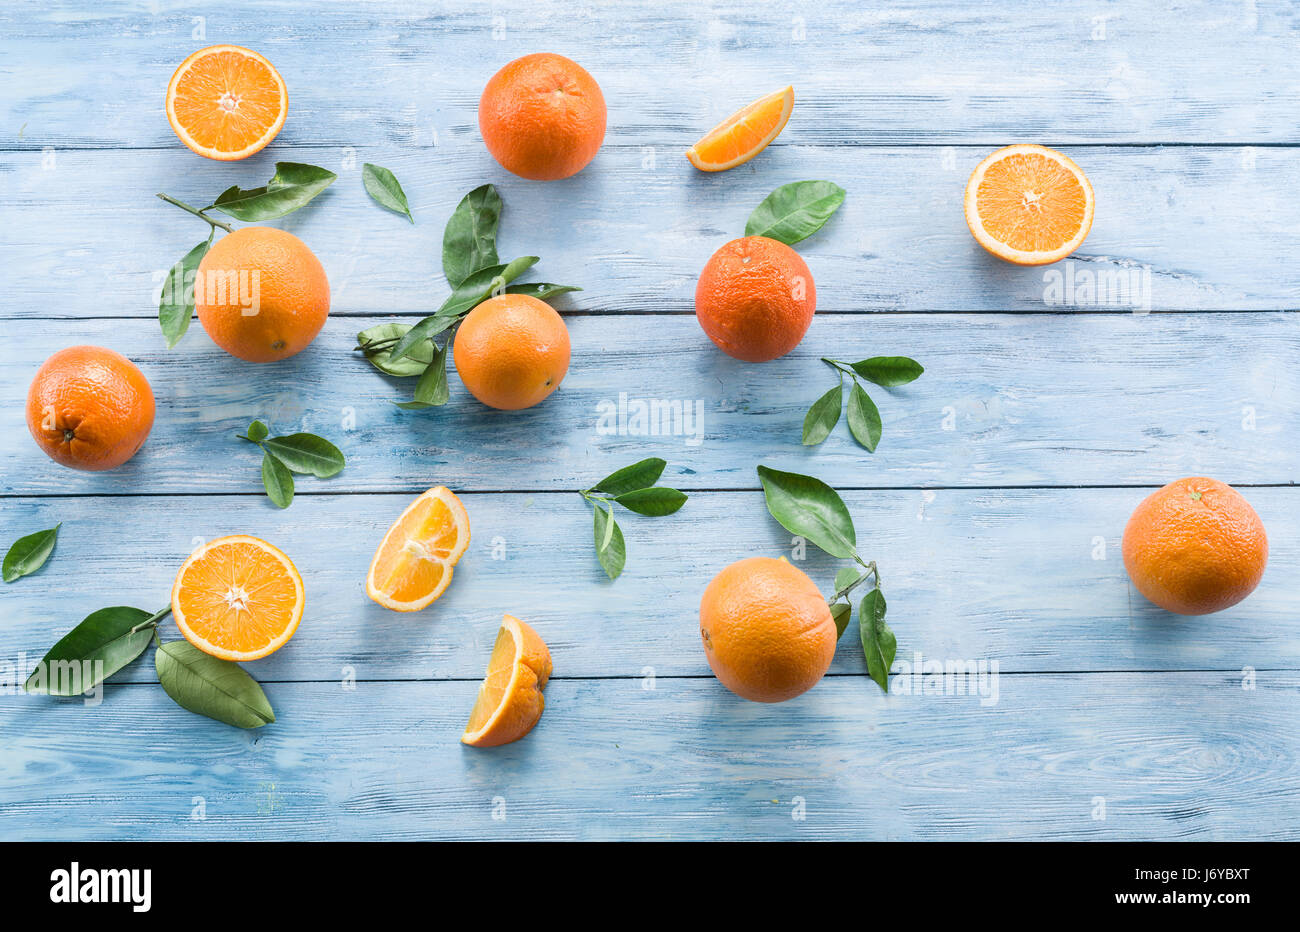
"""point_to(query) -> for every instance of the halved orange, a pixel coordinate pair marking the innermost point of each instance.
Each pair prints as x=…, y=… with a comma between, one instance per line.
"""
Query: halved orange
x=412, y=566
x=744, y=134
x=237, y=598
x=226, y=102
x=1029, y=205
x=510, y=700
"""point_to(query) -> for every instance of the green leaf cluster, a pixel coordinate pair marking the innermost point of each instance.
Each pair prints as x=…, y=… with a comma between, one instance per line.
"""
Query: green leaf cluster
x=864, y=416
x=302, y=453
x=632, y=487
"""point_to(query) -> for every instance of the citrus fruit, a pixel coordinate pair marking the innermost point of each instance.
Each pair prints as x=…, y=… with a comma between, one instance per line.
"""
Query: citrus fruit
x=1195, y=547
x=412, y=565
x=542, y=117
x=512, y=351
x=755, y=298
x=261, y=294
x=89, y=408
x=1029, y=205
x=226, y=102
x=768, y=633
x=510, y=700
x=237, y=598
x=744, y=134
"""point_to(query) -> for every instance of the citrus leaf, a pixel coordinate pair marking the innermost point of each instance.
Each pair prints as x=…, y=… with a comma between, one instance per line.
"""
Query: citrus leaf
x=840, y=614
x=91, y=652
x=414, y=337
x=483, y=284
x=277, y=479
x=810, y=508
x=293, y=185
x=541, y=290
x=878, y=642
x=864, y=418
x=888, y=371
x=377, y=343
x=611, y=549
x=431, y=391
x=653, y=503
x=847, y=577
x=639, y=475
x=382, y=185
x=469, y=241
x=207, y=685
x=257, y=432
x=795, y=211
x=823, y=416
x=306, y=453
x=176, y=306
x=28, y=554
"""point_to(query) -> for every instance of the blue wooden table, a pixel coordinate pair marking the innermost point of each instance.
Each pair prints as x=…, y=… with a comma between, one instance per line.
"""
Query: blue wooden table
x=994, y=504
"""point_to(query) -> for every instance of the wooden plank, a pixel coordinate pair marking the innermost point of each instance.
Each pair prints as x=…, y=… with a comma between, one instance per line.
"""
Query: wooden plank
x=1027, y=580
x=1182, y=228
x=915, y=71
x=1171, y=756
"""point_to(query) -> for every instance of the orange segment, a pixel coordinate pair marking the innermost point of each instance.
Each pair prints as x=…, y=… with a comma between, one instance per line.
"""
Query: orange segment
x=1029, y=205
x=238, y=598
x=412, y=566
x=510, y=700
x=226, y=102
x=744, y=134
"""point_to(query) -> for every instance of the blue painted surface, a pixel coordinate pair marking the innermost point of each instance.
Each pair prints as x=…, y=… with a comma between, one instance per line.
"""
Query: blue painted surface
x=994, y=504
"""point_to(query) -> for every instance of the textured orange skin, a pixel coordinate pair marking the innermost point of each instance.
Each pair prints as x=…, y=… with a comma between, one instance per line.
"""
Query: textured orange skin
x=755, y=298
x=768, y=633
x=293, y=294
x=1191, y=555
x=542, y=117
x=526, y=703
x=512, y=351
x=100, y=408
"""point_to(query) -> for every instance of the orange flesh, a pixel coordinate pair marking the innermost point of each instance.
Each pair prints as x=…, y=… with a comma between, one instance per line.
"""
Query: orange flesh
x=501, y=668
x=227, y=101
x=404, y=570
x=1031, y=203
x=237, y=599
x=745, y=133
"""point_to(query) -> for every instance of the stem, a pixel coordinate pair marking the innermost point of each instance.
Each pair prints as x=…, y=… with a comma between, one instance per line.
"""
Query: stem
x=196, y=212
x=871, y=571
x=152, y=620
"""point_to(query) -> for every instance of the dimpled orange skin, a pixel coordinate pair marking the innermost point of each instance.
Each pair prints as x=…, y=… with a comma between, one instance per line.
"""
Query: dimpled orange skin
x=512, y=351
x=542, y=117
x=1195, y=547
x=292, y=294
x=89, y=408
x=767, y=632
x=755, y=299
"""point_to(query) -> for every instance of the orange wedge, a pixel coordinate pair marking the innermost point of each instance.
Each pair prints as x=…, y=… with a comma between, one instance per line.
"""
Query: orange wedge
x=226, y=102
x=510, y=700
x=744, y=134
x=1029, y=205
x=412, y=566
x=237, y=598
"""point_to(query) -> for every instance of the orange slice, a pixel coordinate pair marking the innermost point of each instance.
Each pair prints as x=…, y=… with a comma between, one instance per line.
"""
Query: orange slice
x=1029, y=205
x=237, y=598
x=744, y=134
x=510, y=700
x=412, y=566
x=226, y=102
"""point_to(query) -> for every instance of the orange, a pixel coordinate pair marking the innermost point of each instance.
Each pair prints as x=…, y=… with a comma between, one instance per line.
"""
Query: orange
x=89, y=408
x=261, y=294
x=768, y=633
x=512, y=351
x=1195, y=547
x=744, y=134
x=755, y=299
x=412, y=565
x=542, y=117
x=510, y=700
x=226, y=102
x=237, y=598
x=1029, y=205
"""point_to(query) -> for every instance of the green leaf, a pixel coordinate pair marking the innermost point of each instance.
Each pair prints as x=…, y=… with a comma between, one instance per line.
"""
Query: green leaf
x=306, y=453
x=257, y=432
x=848, y=577
x=541, y=290
x=841, y=613
x=176, y=306
x=639, y=475
x=888, y=371
x=207, y=685
x=653, y=503
x=277, y=479
x=795, y=211
x=28, y=554
x=382, y=185
x=483, y=284
x=878, y=642
x=423, y=330
x=103, y=637
x=864, y=418
x=810, y=508
x=611, y=550
x=377, y=344
x=469, y=241
x=431, y=391
x=823, y=416
x=293, y=185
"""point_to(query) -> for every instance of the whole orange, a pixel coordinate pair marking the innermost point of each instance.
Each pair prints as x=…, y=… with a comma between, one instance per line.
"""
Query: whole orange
x=542, y=117
x=1195, y=547
x=261, y=294
x=512, y=351
x=755, y=298
x=89, y=408
x=768, y=633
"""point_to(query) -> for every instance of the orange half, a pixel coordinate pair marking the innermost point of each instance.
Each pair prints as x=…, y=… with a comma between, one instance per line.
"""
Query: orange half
x=510, y=701
x=744, y=134
x=238, y=598
x=1029, y=205
x=226, y=102
x=412, y=566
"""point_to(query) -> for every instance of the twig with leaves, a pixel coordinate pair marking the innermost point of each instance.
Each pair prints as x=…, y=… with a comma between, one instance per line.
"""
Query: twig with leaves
x=634, y=488
x=864, y=417
x=302, y=453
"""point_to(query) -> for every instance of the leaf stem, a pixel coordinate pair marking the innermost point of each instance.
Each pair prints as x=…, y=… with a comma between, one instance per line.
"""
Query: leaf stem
x=871, y=571
x=196, y=212
x=152, y=620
